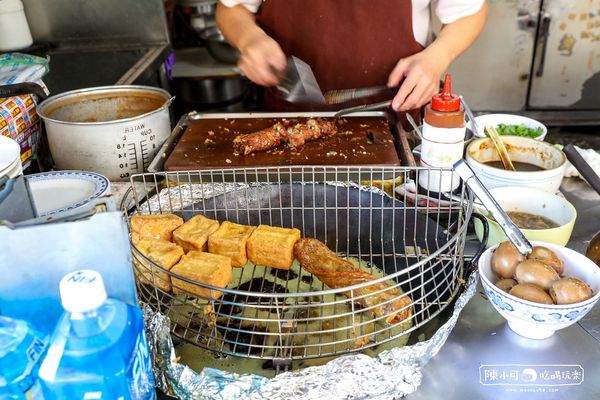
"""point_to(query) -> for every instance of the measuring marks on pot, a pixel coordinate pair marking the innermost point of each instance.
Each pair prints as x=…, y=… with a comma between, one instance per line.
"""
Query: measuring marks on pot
x=135, y=151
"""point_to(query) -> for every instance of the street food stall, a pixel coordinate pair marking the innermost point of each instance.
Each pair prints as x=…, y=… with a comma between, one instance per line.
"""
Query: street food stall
x=289, y=255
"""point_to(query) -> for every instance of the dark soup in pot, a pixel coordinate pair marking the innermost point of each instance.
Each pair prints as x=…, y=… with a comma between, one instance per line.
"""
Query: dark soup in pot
x=519, y=166
x=531, y=221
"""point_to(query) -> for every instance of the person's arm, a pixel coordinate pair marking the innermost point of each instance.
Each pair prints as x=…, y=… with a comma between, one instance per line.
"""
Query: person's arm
x=422, y=71
x=261, y=59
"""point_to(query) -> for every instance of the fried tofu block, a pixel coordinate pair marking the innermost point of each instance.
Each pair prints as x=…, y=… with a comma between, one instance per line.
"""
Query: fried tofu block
x=230, y=240
x=193, y=235
x=158, y=226
x=272, y=246
x=211, y=269
x=163, y=253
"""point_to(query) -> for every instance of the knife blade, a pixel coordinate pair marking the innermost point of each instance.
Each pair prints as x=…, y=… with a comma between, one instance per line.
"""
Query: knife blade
x=298, y=83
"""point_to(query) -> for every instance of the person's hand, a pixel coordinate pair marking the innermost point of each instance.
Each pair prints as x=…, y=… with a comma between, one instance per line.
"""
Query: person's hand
x=421, y=73
x=262, y=60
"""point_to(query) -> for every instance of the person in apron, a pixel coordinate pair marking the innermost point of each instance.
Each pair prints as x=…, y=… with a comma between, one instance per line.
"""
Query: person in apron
x=350, y=43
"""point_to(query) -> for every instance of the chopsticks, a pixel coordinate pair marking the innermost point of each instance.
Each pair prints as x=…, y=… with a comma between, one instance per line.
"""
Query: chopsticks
x=499, y=144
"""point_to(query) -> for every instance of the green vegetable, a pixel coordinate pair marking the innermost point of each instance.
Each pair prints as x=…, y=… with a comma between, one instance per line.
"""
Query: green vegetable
x=519, y=130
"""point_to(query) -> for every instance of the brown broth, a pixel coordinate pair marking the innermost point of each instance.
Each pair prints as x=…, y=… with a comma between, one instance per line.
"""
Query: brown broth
x=531, y=221
x=519, y=166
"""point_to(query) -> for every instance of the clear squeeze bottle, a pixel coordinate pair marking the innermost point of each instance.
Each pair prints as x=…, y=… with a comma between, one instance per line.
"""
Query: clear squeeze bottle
x=21, y=349
x=443, y=140
x=98, y=349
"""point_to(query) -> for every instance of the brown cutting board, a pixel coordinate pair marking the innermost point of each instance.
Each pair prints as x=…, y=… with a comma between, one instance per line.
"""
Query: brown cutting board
x=208, y=143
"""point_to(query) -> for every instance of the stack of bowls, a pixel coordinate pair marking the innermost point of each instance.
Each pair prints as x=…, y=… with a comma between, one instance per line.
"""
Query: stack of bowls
x=533, y=151
x=10, y=158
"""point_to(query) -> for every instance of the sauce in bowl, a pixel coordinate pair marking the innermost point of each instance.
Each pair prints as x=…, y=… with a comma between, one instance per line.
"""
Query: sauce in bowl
x=531, y=221
x=519, y=166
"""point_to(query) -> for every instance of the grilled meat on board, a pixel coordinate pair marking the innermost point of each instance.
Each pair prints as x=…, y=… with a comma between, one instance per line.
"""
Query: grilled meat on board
x=295, y=135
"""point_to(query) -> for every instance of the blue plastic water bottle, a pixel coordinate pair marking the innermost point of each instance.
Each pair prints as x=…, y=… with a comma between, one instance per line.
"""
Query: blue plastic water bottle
x=98, y=349
x=21, y=349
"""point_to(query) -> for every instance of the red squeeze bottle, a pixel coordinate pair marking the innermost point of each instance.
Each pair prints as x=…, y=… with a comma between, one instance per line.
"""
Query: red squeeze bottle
x=445, y=109
x=443, y=140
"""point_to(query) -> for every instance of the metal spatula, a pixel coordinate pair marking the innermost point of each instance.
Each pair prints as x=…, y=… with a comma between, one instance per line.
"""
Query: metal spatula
x=298, y=84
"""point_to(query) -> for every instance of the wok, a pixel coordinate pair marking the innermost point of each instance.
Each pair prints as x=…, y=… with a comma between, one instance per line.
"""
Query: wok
x=593, y=250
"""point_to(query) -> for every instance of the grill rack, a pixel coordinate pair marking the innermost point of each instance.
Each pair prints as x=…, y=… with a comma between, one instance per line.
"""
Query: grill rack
x=417, y=247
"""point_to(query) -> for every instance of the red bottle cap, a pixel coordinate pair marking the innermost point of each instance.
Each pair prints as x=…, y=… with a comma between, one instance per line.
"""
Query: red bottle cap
x=446, y=101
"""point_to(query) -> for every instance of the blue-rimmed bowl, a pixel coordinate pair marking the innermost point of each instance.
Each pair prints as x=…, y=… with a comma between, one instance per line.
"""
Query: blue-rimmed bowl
x=540, y=321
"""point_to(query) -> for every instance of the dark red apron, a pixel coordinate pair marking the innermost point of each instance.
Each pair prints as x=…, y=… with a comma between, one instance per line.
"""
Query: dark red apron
x=348, y=44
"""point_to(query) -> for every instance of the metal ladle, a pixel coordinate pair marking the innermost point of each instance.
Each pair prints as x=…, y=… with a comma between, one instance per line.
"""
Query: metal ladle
x=512, y=232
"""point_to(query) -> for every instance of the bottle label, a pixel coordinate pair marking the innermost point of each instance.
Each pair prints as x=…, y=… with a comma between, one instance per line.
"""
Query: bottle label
x=35, y=392
x=139, y=372
x=36, y=349
x=440, y=148
x=28, y=383
x=443, y=135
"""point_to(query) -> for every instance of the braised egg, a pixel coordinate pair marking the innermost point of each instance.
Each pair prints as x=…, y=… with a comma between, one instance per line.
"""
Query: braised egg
x=536, y=272
x=505, y=259
x=569, y=291
x=506, y=284
x=531, y=292
x=548, y=257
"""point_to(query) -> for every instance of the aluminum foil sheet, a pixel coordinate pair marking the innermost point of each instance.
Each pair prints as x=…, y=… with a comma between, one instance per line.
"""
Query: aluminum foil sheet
x=185, y=195
x=393, y=374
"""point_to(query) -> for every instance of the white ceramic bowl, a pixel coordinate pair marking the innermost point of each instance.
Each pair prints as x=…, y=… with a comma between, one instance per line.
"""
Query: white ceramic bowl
x=10, y=152
x=532, y=201
x=540, y=321
x=520, y=149
x=508, y=119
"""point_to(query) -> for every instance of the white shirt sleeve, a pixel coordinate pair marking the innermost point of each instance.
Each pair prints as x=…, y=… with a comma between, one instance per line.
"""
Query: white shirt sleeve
x=449, y=11
x=251, y=5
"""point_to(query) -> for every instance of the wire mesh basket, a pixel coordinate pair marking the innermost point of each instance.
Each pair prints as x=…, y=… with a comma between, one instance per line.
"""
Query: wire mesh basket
x=412, y=248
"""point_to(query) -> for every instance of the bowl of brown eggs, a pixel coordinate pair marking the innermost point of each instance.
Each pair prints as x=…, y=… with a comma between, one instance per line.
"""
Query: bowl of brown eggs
x=550, y=289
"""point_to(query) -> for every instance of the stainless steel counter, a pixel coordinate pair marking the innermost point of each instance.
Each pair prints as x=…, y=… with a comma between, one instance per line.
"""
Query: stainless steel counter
x=484, y=359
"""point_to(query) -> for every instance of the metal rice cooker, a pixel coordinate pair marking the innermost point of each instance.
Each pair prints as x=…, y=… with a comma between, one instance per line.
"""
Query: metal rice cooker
x=112, y=130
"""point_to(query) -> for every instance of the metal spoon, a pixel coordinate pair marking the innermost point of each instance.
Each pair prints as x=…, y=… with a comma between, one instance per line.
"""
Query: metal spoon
x=474, y=126
x=412, y=123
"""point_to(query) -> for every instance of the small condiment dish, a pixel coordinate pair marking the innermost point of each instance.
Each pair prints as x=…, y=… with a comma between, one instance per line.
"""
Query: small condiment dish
x=535, y=320
x=532, y=201
x=507, y=119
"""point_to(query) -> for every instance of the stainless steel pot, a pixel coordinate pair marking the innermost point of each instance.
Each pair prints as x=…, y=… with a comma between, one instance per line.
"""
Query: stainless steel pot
x=111, y=130
x=210, y=91
x=218, y=47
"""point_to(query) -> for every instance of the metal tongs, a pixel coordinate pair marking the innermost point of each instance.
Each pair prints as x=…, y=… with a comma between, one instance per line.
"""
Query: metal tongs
x=364, y=107
x=512, y=232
